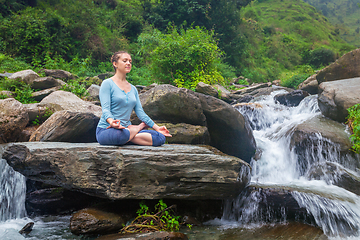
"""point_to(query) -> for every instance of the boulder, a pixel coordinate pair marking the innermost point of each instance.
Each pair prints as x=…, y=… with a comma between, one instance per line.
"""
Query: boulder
x=131, y=172
x=104, y=76
x=40, y=95
x=70, y=102
x=223, y=93
x=206, y=89
x=291, y=99
x=159, y=235
x=93, y=221
x=93, y=91
x=171, y=104
x=229, y=131
x=41, y=111
x=336, y=97
x=310, y=85
x=57, y=73
x=26, y=76
x=348, y=66
x=46, y=82
x=183, y=133
x=252, y=88
x=13, y=119
x=66, y=126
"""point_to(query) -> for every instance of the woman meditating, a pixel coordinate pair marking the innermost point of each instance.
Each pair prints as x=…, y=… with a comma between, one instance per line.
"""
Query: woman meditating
x=118, y=98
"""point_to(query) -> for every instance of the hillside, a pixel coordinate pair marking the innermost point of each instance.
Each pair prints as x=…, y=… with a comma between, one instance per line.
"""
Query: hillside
x=344, y=14
x=282, y=34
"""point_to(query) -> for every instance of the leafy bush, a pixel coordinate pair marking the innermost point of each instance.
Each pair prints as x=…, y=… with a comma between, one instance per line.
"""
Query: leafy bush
x=320, y=57
x=160, y=220
x=354, y=123
x=184, y=57
x=77, y=87
x=8, y=64
x=23, y=91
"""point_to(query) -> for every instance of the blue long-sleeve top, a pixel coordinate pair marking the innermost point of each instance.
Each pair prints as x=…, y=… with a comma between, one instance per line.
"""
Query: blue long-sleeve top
x=118, y=105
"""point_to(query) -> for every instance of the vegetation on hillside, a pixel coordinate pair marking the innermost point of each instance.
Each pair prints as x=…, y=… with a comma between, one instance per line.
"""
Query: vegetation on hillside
x=354, y=123
x=206, y=40
x=344, y=14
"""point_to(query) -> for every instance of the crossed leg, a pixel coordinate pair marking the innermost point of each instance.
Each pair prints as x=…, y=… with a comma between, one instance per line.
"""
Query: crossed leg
x=144, y=139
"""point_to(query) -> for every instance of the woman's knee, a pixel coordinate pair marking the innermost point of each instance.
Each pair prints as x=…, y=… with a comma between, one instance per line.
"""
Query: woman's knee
x=158, y=139
x=112, y=136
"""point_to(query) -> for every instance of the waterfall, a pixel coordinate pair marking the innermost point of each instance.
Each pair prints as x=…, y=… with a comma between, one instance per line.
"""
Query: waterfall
x=282, y=179
x=12, y=193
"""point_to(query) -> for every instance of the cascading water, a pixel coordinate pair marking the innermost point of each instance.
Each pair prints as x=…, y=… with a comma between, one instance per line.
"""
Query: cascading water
x=335, y=210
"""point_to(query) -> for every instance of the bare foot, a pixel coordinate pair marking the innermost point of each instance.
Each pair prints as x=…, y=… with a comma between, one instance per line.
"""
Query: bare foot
x=139, y=127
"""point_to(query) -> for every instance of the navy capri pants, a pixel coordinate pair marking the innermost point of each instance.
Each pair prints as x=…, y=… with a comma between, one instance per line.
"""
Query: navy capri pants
x=118, y=137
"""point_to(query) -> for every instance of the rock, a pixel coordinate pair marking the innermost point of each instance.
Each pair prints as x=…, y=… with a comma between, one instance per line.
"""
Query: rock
x=40, y=95
x=336, y=97
x=348, y=66
x=245, y=99
x=252, y=88
x=93, y=91
x=131, y=172
x=92, y=221
x=291, y=99
x=183, y=133
x=13, y=119
x=276, y=82
x=227, y=128
x=310, y=85
x=27, y=228
x=46, y=82
x=224, y=94
x=206, y=89
x=70, y=102
x=51, y=201
x=5, y=74
x=327, y=128
x=57, y=73
x=7, y=94
x=26, y=76
x=171, y=104
x=146, y=236
x=229, y=131
x=41, y=111
x=334, y=173
x=66, y=126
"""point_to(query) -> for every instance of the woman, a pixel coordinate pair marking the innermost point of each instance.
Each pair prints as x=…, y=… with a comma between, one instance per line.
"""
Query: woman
x=118, y=98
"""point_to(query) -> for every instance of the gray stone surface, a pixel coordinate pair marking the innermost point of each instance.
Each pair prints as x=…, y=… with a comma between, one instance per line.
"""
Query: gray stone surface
x=131, y=172
x=336, y=97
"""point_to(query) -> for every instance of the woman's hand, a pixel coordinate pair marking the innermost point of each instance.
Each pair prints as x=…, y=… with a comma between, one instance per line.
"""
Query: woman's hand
x=163, y=130
x=115, y=124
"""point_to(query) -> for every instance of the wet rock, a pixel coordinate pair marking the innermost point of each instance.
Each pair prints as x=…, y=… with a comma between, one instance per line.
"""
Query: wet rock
x=291, y=99
x=206, y=89
x=347, y=66
x=26, y=76
x=334, y=173
x=146, y=236
x=27, y=228
x=131, y=172
x=70, y=102
x=13, y=119
x=93, y=221
x=336, y=97
x=66, y=126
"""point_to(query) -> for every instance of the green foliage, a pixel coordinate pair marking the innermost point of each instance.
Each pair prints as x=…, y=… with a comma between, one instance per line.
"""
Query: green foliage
x=319, y=57
x=160, y=220
x=8, y=64
x=77, y=87
x=40, y=119
x=23, y=91
x=293, y=78
x=354, y=123
x=184, y=57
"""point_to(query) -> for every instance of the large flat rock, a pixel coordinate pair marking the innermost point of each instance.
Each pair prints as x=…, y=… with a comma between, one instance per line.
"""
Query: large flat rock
x=131, y=172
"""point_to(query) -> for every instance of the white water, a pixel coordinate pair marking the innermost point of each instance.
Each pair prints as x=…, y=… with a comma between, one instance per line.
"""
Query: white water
x=335, y=210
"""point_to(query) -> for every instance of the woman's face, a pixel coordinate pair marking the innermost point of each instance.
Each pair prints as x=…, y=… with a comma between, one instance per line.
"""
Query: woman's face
x=123, y=64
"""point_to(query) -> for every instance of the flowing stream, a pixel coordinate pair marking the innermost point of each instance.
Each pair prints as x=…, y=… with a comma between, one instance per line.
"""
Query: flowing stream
x=321, y=203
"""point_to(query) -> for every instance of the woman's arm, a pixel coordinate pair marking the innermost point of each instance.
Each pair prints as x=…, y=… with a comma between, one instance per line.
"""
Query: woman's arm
x=162, y=129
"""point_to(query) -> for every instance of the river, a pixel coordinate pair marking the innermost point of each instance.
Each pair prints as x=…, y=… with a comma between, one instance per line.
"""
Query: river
x=333, y=211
